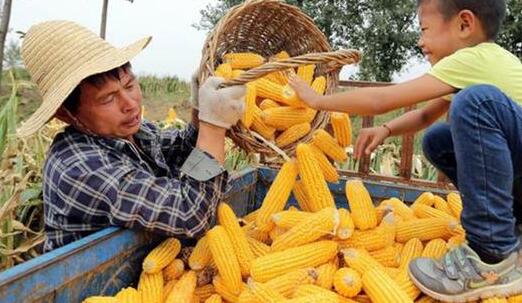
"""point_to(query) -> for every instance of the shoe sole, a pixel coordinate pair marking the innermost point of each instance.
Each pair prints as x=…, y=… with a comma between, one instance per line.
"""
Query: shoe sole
x=512, y=289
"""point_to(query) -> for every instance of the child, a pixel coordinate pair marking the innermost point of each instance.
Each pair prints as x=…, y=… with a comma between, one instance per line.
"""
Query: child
x=480, y=150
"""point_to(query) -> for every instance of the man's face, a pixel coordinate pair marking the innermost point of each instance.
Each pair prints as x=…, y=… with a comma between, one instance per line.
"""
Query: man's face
x=112, y=109
x=439, y=37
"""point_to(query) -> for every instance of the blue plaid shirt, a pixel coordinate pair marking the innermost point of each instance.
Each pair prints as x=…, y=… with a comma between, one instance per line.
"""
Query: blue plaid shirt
x=92, y=182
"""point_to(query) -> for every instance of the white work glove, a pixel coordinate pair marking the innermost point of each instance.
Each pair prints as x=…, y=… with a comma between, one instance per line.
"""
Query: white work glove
x=221, y=107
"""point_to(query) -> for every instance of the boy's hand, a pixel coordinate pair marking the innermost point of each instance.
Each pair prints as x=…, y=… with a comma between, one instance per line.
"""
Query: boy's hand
x=305, y=92
x=369, y=139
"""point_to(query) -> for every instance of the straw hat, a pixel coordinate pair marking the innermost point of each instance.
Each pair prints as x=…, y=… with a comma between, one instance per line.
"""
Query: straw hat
x=58, y=56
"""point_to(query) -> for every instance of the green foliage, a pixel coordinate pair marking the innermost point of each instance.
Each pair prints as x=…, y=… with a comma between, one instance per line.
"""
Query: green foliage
x=511, y=34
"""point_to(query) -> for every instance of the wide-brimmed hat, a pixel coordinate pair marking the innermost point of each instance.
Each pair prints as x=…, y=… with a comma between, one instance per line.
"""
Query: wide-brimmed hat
x=59, y=55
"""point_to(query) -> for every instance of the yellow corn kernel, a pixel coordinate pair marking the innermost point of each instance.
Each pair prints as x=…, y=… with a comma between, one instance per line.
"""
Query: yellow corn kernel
x=267, y=103
x=435, y=249
x=306, y=72
x=253, y=232
x=293, y=134
x=236, y=73
x=456, y=241
x=329, y=171
x=251, y=217
x=277, y=195
x=201, y=255
x=406, y=285
x=250, y=105
x=313, y=180
x=425, y=229
x=495, y=300
x=278, y=263
x=346, y=225
x=263, y=293
x=411, y=250
x=277, y=92
x=183, y=291
x=284, y=117
x=276, y=232
x=223, y=255
x=399, y=208
x=362, y=209
x=215, y=298
x=174, y=270
x=230, y=295
x=455, y=204
x=441, y=204
x=167, y=288
x=360, y=260
x=325, y=142
x=243, y=60
x=347, y=282
x=151, y=287
x=425, y=198
x=282, y=55
x=311, y=293
x=381, y=288
x=325, y=274
x=342, y=128
x=319, y=85
x=224, y=70
x=424, y=211
x=161, y=256
x=258, y=248
x=261, y=127
x=204, y=292
x=100, y=299
x=301, y=196
x=288, y=218
x=389, y=256
x=227, y=218
x=128, y=295
x=515, y=299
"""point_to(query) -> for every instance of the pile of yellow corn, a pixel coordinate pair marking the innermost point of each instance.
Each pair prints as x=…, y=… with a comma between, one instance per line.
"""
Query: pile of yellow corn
x=273, y=109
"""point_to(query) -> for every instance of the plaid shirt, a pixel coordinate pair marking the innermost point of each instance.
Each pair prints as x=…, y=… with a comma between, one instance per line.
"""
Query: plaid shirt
x=93, y=182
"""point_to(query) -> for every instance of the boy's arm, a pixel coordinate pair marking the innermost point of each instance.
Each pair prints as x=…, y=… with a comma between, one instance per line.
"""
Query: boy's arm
x=370, y=138
x=375, y=101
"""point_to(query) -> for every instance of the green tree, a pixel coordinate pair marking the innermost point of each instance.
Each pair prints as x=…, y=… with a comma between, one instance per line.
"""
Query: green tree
x=511, y=34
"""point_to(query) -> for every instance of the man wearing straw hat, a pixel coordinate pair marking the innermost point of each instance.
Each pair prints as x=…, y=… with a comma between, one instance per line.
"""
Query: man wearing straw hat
x=109, y=168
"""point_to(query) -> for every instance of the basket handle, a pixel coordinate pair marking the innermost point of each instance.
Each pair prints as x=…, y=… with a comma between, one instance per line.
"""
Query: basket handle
x=333, y=60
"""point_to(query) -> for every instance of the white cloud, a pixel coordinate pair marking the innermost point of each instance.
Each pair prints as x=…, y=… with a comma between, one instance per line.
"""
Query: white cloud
x=175, y=48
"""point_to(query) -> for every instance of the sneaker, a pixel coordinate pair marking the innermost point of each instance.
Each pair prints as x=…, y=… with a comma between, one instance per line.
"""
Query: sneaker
x=460, y=276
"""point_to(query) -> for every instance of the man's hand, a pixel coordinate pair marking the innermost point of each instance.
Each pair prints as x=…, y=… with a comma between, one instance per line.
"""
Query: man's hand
x=369, y=139
x=305, y=92
x=221, y=107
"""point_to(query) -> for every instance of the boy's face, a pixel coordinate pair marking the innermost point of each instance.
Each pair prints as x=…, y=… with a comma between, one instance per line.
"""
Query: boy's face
x=113, y=109
x=439, y=37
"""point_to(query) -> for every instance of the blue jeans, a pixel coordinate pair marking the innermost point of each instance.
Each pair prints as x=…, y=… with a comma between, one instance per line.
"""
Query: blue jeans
x=480, y=151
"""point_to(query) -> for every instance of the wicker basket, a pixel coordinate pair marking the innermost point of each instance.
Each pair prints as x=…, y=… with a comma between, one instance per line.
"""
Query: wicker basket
x=267, y=27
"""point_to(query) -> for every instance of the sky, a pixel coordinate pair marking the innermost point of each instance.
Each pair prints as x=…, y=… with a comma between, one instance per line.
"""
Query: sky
x=176, y=46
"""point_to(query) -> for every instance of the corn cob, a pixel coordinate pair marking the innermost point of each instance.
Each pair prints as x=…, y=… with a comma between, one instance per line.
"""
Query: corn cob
x=346, y=225
x=455, y=241
x=161, y=256
x=304, y=291
x=360, y=260
x=250, y=105
x=205, y=291
x=325, y=274
x=442, y=205
x=267, y=103
x=363, y=212
x=224, y=257
x=329, y=171
x=425, y=229
x=373, y=239
x=381, y=288
x=277, y=195
x=425, y=198
x=389, y=256
x=100, y=299
x=515, y=299
x=128, y=295
x=290, y=97
x=288, y=219
x=229, y=221
x=292, y=134
x=276, y=92
x=399, y=208
x=347, y=282
x=167, y=288
x=236, y=73
x=278, y=77
x=225, y=292
x=328, y=145
x=282, y=55
x=201, y=255
x=301, y=196
x=313, y=180
x=151, y=287
x=261, y=127
x=284, y=117
x=258, y=248
x=435, y=249
x=215, y=298
x=306, y=73
x=495, y=300
x=319, y=85
x=342, y=128
x=424, y=211
x=276, y=232
x=263, y=293
x=284, y=284
x=250, y=217
x=393, y=272
x=405, y=283
x=224, y=70
x=253, y=232
x=412, y=249
x=183, y=291
x=174, y=270
x=281, y=262
x=243, y=60
x=455, y=204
